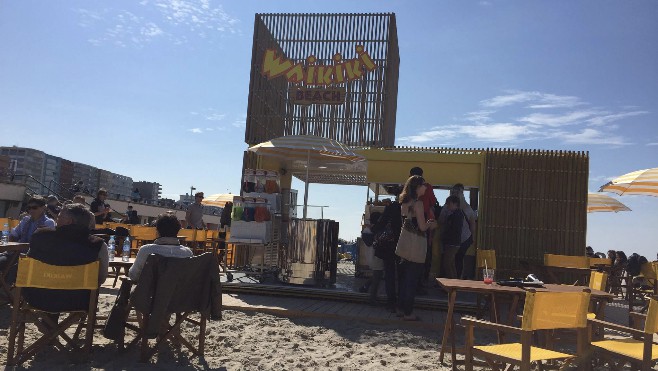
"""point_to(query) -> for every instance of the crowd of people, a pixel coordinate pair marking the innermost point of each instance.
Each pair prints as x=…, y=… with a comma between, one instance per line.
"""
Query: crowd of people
x=417, y=212
x=71, y=226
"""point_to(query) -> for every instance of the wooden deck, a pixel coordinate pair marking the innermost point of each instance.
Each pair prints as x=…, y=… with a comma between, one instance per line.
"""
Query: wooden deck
x=303, y=307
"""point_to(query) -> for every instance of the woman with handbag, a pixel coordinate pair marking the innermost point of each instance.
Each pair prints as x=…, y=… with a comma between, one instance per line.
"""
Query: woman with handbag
x=412, y=244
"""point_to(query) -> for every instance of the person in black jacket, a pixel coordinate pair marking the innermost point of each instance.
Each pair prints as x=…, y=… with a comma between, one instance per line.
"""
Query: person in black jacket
x=390, y=218
x=451, y=232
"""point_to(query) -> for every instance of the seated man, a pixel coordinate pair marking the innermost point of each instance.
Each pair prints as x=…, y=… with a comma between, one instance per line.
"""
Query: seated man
x=69, y=244
x=36, y=220
x=166, y=244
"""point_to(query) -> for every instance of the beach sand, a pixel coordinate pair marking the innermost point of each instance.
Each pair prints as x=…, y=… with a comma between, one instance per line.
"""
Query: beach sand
x=258, y=341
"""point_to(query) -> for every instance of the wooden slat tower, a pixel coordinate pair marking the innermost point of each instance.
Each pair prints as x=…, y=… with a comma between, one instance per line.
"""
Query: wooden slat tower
x=366, y=118
x=534, y=202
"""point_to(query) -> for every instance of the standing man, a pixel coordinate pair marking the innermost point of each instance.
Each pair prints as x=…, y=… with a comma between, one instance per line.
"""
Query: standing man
x=194, y=213
x=465, y=257
x=429, y=200
x=99, y=208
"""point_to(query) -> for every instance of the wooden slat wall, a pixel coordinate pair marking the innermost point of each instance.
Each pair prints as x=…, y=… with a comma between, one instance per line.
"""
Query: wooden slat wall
x=534, y=202
x=367, y=118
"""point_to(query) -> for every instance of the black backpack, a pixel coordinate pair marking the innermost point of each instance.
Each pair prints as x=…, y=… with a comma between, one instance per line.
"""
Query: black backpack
x=634, y=265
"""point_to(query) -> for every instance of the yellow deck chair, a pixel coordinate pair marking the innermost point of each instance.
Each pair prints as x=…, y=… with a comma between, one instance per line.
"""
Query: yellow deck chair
x=638, y=348
x=542, y=311
x=188, y=235
x=33, y=273
x=597, y=262
x=566, y=261
x=200, y=241
x=143, y=234
x=597, y=281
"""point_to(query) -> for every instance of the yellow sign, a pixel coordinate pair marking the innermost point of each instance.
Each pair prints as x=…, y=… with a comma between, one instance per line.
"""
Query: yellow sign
x=311, y=74
x=306, y=96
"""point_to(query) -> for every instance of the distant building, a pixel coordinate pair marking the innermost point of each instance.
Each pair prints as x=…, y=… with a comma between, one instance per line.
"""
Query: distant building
x=47, y=174
x=149, y=191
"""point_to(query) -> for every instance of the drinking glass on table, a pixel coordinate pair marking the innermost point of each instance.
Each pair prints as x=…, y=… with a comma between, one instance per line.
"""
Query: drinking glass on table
x=488, y=276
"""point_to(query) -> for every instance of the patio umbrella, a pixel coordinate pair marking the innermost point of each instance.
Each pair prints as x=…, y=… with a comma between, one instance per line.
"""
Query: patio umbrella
x=218, y=199
x=641, y=182
x=309, y=148
x=599, y=202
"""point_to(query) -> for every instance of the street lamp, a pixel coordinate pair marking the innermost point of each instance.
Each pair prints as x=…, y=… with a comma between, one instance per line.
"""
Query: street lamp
x=192, y=189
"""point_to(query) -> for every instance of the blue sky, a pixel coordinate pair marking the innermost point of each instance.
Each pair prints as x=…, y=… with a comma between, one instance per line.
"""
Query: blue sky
x=157, y=89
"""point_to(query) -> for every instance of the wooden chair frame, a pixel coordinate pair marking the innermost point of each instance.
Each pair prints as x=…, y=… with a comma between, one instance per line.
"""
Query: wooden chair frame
x=24, y=313
x=168, y=332
x=617, y=360
x=526, y=339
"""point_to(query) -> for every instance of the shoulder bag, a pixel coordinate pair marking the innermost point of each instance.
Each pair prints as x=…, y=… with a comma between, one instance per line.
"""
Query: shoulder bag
x=412, y=245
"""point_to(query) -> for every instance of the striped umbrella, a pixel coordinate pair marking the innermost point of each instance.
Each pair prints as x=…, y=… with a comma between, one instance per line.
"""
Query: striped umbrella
x=307, y=147
x=597, y=202
x=219, y=199
x=641, y=182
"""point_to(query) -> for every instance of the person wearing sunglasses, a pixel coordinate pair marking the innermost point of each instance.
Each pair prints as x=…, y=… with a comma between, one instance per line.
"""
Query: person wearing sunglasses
x=35, y=220
x=194, y=214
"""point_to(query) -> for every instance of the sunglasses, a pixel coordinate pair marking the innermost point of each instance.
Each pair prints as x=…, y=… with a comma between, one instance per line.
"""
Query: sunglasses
x=33, y=207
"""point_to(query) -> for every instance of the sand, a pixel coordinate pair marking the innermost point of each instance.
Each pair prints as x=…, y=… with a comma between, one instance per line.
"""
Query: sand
x=258, y=341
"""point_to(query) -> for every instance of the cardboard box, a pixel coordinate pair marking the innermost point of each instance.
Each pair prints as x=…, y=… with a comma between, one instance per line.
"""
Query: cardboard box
x=251, y=232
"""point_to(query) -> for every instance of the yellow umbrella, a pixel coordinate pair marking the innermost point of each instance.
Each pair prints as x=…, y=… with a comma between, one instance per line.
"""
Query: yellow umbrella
x=599, y=202
x=309, y=148
x=219, y=199
x=641, y=182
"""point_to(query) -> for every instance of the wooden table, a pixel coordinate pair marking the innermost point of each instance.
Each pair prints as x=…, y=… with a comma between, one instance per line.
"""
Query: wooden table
x=452, y=286
x=116, y=266
x=16, y=248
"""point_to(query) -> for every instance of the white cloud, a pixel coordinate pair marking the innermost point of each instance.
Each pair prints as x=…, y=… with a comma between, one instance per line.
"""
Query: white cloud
x=653, y=144
x=555, y=120
x=586, y=125
x=593, y=136
x=509, y=99
x=498, y=132
x=538, y=100
x=215, y=116
x=172, y=20
x=479, y=116
x=196, y=130
x=607, y=118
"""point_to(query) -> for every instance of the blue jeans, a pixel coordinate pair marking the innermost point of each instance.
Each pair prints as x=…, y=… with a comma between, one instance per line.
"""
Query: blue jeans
x=409, y=274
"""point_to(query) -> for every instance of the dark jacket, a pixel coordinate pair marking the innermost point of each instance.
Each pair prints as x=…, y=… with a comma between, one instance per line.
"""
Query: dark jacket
x=451, y=231
x=174, y=285
x=68, y=245
x=392, y=215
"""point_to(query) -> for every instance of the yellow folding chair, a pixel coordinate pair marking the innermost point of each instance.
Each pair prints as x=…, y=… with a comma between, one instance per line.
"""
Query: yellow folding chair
x=639, y=348
x=187, y=235
x=34, y=274
x=200, y=241
x=600, y=262
x=566, y=261
x=542, y=311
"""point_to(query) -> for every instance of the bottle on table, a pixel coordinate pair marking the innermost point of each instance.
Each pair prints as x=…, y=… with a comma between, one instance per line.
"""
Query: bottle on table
x=5, y=234
x=111, y=248
x=125, y=256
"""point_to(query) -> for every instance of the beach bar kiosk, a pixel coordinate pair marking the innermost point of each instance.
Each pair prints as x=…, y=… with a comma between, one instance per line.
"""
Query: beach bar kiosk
x=335, y=76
